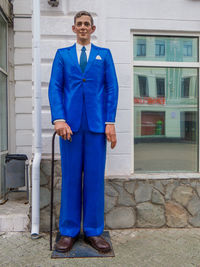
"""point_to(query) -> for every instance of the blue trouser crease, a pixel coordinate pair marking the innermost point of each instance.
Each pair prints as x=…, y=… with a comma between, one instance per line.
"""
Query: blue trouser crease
x=84, y=155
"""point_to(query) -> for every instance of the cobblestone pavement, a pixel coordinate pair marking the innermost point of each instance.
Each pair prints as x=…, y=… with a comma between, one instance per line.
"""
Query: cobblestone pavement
x=137, y=247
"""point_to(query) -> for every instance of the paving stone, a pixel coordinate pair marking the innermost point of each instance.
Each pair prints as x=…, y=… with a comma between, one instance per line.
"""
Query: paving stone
x=169, y=189
x=143, y=192
x=110, y=191
x=109, y=203
x=193, y=183
x=130, y=186
x=166, y=182
x=198, y=189
x=46, y=167
x=57, y=196
x=195, y=220
x=157, y=197
x=43, y=179
x=176, y=215
x=124, y=198
x=150, y=215
x=141, y=247
x=158, y=185
x=44, y=197
x=120, y=217
x=58, y=170
x=117, y=182
x=194, y=205
x=182, y=194
x=58, y=182
x=45, y=220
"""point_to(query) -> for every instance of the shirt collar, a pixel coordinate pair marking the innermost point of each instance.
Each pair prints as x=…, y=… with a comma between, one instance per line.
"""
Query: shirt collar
x=79, y=46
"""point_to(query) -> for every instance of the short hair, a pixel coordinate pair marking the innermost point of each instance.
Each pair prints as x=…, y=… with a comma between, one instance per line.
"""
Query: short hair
x=83, y=13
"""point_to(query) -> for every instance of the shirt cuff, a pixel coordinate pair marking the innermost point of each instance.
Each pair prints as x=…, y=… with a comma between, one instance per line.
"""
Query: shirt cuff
x=107, y=122
x=58, y=120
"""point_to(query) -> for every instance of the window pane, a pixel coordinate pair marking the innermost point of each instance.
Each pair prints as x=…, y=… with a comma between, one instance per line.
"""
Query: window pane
x=141, y=48
x=162, y=48
x=166, y=121
x=3, y=44
x=3, y=113
x=160, y=84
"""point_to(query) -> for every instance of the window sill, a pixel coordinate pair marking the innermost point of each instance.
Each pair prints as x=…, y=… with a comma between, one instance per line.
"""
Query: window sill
x=155, y=176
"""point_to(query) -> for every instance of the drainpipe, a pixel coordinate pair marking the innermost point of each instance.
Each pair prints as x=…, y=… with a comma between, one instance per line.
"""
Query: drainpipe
x=37, y=123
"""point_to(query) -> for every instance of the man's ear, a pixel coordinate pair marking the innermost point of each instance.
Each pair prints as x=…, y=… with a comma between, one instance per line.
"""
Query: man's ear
x=93, y=28
x=74, y=28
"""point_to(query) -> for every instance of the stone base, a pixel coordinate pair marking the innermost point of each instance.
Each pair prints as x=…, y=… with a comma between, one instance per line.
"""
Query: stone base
x=150, y=203
x=14, y=213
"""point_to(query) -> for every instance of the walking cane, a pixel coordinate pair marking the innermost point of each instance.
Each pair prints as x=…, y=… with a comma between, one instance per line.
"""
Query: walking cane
x=52, y=185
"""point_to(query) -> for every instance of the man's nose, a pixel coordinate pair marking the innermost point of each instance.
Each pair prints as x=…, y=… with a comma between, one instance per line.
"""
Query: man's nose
x=83, y=26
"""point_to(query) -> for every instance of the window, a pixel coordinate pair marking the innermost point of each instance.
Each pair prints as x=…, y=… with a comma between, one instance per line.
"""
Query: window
x=143, y=86
x=187, y=49
x=157, y=48
x=3, y=100
x=185, y=87
x=141, y=48
x=160, y=48
x=166, y=103
x=160, y=85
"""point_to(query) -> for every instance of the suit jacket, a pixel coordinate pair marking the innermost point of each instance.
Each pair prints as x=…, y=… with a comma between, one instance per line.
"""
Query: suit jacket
x=97, y=87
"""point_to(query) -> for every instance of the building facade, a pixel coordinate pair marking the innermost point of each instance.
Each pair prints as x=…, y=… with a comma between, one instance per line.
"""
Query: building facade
x=152, y=177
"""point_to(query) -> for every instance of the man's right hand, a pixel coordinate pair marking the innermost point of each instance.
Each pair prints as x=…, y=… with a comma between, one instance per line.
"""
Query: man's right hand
x=63, y=130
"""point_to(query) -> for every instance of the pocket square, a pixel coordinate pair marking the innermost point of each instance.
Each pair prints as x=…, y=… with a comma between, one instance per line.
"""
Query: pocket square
x=98, y=57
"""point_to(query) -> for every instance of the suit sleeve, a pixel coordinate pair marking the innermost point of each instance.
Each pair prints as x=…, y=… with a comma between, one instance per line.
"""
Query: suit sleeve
x=56, y=88
x=111, y=87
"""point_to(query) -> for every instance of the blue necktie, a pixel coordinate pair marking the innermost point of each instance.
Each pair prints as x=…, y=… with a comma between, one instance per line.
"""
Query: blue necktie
x=83, y=59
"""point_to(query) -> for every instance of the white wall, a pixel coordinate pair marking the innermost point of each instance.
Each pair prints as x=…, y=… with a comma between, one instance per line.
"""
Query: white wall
x=115, y=19
x=22, y=10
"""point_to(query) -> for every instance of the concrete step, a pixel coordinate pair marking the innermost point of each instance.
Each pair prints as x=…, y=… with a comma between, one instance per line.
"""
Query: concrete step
x=14, y=213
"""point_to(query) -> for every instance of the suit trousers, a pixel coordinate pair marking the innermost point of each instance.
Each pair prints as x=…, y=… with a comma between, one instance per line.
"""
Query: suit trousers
x=83, y=167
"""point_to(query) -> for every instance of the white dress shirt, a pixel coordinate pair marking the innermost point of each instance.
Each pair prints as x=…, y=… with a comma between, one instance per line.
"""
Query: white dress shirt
x=78, y=52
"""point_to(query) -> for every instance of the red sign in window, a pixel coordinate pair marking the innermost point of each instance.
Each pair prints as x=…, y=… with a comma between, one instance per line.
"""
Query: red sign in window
x=150, y=100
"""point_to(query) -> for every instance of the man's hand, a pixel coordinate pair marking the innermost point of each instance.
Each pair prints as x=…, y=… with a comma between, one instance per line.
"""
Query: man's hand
x=63, y=130
x=111, y=134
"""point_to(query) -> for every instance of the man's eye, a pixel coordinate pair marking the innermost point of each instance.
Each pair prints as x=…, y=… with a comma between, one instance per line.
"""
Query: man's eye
x=79, y=23
x=87, y=24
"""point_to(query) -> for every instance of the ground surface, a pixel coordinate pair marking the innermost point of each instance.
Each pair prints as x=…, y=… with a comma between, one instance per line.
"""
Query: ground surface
x=138, y=248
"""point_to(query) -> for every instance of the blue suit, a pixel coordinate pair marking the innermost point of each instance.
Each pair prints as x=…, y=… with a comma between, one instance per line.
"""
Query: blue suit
x=86, y=100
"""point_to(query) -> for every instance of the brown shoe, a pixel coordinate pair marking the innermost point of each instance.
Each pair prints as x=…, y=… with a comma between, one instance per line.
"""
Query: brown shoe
x=99, y=243
x=65, y=243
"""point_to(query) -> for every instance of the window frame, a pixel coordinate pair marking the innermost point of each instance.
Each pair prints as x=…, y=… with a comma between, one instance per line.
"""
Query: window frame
x=5, y=72
x=167, y=64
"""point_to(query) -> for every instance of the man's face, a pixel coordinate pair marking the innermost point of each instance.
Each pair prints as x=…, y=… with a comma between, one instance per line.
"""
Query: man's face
x=83, y=29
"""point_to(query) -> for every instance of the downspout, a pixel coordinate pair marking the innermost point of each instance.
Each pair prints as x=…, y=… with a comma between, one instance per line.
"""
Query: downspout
x=37, y=122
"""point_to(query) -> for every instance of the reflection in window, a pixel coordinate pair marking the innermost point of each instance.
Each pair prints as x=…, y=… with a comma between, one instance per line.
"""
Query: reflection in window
x=185, y=87
x=143, y=86
x=187, y=48
x=160, y=84
x=165, y=122
x=141, y=48
x=3, y=113
x=160, y=48
x=175, y=49
x=3, y=44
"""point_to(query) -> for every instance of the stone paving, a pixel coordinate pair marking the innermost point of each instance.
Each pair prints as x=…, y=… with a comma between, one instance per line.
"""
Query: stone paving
x=133, y=247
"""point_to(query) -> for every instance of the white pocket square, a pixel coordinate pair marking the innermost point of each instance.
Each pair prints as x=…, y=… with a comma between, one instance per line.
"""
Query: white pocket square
x=98, y=57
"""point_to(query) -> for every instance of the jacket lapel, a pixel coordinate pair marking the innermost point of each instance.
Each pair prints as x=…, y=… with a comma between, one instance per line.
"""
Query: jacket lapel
x=74, y=57
x=92, y=56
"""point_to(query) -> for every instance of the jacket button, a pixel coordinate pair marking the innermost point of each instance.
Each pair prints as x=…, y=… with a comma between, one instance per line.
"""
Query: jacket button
x=84, y=80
